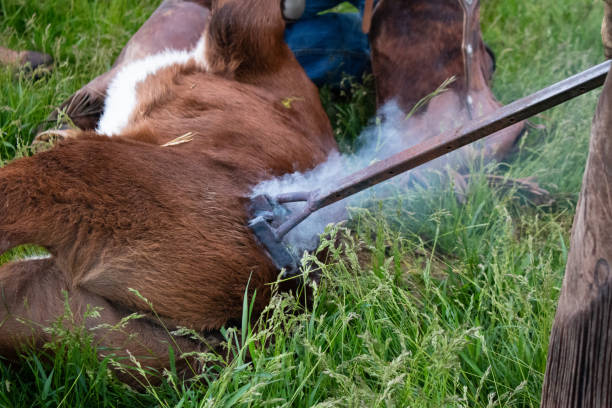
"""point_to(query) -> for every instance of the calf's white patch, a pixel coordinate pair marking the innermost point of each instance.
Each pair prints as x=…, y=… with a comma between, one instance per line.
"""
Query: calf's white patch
x=121, y=96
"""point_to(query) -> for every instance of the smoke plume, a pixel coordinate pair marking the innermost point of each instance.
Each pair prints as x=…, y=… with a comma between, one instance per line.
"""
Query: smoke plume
x=390, y=133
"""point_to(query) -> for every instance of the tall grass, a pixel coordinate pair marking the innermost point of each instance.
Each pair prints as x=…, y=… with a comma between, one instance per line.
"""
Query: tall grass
x=83, y=36
x=424, y=301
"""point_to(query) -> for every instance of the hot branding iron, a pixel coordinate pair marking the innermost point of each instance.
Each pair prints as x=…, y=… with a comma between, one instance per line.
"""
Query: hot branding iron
x=272, y=220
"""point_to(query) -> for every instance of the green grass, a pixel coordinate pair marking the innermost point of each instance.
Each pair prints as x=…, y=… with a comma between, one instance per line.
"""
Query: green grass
x=424, y=302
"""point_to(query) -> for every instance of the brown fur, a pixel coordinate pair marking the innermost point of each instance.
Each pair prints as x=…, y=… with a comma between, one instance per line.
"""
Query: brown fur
x=28, y=284
x=170, y=222
x=416, y=46
x=176, y=24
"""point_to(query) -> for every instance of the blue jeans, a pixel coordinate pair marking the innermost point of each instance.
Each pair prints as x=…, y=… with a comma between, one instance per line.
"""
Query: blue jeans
x=331, y=45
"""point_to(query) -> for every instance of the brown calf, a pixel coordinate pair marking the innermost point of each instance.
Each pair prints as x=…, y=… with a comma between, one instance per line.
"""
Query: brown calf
x=166, y=219
x=416, y=46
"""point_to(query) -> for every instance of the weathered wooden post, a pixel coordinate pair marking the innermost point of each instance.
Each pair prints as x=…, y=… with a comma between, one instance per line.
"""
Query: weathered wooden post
x=579, y=367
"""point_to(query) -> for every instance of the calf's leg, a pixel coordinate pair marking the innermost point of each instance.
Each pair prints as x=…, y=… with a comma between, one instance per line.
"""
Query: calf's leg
x=35, y=293
x=176, y=24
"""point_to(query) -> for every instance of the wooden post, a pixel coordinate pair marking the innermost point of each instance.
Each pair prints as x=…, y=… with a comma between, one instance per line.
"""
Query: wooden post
x=579, y=366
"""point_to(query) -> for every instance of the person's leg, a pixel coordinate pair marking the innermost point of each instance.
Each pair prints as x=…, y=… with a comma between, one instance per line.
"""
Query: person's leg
x=314, y=7
x=329, y=46
x=360, y=4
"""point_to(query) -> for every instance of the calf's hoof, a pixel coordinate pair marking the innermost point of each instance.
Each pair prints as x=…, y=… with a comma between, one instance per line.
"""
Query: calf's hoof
x=35, y=60
x=45, y=140
x=25, y=59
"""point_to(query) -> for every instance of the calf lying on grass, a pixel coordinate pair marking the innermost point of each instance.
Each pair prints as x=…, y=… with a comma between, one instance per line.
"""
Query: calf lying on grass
x=155, y=201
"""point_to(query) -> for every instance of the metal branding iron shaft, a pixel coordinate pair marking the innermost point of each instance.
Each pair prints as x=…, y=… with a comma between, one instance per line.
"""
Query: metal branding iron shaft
x=272, y=221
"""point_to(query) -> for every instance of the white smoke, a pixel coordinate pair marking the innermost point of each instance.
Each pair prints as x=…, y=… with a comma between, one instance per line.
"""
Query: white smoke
x=391, y=133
